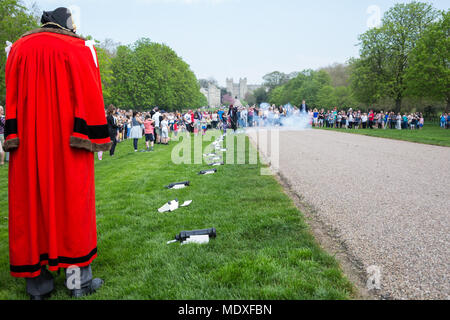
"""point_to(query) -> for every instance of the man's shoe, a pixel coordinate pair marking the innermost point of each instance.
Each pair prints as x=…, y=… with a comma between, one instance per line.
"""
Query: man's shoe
x=92, y=288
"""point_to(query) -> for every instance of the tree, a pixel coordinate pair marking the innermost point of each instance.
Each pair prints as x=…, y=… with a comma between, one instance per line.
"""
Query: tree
x=202, y=101
x=124, y=77
x=204, y=83
x=227, y=99
x=305, y=86
x=326, y=97
x=275, y=79
x=250, y=99
x=429, y=71
x=148, y=74
x=343, y=98
x=277, y=95
x=339, y=74
x=106, y=73
x=110, y=46
x=15, y=20
x=260, y=95
x=385, y=52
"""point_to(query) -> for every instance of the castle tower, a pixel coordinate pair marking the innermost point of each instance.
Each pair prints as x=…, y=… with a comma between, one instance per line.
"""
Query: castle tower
x=243, y=89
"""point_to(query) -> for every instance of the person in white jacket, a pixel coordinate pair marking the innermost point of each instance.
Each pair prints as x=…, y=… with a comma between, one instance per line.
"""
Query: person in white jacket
x=156, y=118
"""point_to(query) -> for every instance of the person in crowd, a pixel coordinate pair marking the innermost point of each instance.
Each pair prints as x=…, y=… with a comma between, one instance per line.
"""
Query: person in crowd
x=192, y=121
x=204, y=123
x=112, y=128
x=171, y=118
x=332, y=119
x=357, y=120
x=344, y=120
x=399, y=121
x=304, y=107
x=233, y=117
x=321, y=118
x=188, y=122
x=315, y=117
x=214, y=120
x=136, y=129
x=393, y=120
x=176, y=125
x=350, y=119
x=421, y=121
x=443, y=120
x=371, y=119
x=165, y=129
x=386, y=119
x=404, y=122
x=413, y=122
x=244, y=117
x=379, y=120
x=149, y=131
x=197, y=121
x=364, y=119
x=224, y=123
x=256, y=114
x=127, y=125
x=157, y=119
x=339, y=120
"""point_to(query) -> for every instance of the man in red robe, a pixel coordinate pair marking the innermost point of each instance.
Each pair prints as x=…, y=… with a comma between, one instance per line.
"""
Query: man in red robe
x=55, y=121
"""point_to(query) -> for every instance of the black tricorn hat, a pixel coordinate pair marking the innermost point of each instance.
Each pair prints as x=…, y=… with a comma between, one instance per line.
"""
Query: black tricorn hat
x=60, y=17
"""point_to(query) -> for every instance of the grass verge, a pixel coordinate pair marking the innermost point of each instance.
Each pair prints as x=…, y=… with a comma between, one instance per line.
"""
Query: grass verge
x=429, y=134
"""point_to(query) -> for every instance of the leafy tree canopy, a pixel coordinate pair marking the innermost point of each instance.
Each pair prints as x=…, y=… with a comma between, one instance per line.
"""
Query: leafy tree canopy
x=15, y=20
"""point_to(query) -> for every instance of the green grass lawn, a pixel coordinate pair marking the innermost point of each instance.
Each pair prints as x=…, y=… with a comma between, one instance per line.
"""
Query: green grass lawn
x=429, y=134
x=264, y=249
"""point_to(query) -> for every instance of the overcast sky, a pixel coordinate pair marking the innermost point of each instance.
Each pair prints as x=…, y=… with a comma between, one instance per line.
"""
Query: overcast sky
x=236, y=38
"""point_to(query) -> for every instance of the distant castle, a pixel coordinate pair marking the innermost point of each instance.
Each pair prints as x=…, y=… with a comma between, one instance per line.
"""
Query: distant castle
x=241, y=89
x=213, y=95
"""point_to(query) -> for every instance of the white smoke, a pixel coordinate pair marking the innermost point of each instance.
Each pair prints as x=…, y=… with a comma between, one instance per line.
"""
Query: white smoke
x=294, y=119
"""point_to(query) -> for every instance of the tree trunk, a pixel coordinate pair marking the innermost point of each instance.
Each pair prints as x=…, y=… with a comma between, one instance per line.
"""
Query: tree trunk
x=398, y=105
x=447, y=110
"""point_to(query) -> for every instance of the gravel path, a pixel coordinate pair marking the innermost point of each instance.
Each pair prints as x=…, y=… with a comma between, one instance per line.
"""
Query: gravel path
x=388, y=200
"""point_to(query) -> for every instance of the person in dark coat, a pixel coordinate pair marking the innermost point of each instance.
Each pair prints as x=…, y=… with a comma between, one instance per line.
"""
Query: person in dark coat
x=112, y=128
x=233, y=115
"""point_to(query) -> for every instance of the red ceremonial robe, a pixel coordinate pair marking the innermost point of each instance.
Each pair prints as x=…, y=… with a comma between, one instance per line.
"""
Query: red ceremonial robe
x=55, y=120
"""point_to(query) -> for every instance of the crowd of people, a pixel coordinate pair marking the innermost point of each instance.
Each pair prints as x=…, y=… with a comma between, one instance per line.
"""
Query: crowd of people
x=356, y=119
x=444, y=121
x=156, y=125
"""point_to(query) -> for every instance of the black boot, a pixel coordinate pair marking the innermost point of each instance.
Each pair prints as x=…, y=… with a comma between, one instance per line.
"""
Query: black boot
x=41, y=287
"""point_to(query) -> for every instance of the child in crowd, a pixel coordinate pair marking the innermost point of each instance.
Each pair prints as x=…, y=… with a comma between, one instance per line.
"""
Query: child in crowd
x=149, y=131
x=165, y=130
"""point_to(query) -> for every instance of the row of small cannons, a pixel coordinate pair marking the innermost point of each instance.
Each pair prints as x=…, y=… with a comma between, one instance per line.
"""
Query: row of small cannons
x=195, y=236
